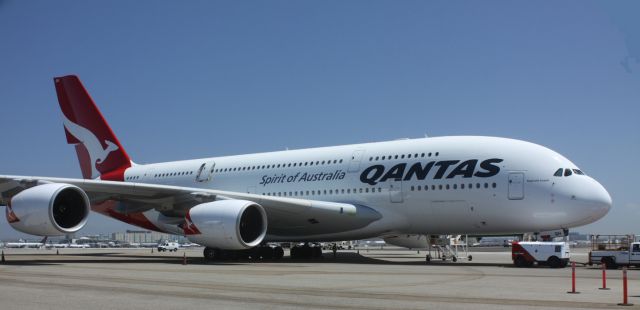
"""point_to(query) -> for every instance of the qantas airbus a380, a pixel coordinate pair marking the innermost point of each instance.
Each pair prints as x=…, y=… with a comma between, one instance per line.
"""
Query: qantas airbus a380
x=443, y=185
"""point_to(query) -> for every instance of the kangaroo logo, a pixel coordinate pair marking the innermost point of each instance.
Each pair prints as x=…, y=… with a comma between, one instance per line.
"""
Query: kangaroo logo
x=97, y=154
x=11, y=217
x=188, y=227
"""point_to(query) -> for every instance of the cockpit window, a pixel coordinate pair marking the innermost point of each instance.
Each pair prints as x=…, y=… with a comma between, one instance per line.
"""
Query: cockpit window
x=577, y=171
x=567, y=172
x=558, y=173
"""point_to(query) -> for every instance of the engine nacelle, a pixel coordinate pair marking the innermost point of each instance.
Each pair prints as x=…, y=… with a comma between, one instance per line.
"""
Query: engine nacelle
x=49, y=210
x=227, y=224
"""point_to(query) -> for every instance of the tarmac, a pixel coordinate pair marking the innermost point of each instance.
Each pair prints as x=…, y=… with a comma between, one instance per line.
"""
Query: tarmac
x=391, y=278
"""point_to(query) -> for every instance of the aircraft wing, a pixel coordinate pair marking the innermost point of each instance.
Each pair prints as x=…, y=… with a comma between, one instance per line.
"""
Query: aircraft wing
x=286, y=216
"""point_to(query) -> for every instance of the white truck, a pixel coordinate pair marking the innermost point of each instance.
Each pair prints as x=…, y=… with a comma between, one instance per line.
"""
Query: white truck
x=552, y=254
x=615, y=251
x=168, y=246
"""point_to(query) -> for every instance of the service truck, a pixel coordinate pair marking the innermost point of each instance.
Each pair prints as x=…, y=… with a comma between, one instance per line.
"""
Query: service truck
x=615, y=251
x=168, y=246
x=552, y=254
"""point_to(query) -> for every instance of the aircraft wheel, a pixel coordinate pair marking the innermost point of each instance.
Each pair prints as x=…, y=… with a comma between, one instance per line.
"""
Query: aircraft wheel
x=266, y=252
x=428, y=258
x=316, y=252
x=454, y=259
x=470, y=258
x=278, y=252
x=209, y=253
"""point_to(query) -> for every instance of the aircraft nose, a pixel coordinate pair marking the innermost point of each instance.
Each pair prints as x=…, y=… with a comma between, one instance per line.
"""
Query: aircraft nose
x=598, y=199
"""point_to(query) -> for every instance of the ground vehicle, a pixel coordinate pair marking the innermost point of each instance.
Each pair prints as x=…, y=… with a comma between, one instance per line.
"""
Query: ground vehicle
x=615, y=251
x=168, y=246
x=553, y=254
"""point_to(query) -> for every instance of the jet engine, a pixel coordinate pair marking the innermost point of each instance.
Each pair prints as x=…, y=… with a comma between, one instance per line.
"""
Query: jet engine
x=49, y=210
x=226, y=224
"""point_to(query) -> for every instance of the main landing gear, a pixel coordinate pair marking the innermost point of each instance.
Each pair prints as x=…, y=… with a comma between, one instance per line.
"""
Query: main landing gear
x=306, y=250
x=262, y=252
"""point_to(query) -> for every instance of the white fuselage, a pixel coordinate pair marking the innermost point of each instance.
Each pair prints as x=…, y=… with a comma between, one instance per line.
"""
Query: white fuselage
x=444, y=185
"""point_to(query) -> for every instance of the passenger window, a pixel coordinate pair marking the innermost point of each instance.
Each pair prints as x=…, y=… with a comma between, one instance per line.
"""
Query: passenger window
x=567, y=172
x=558, y=248
x=558, y=173
x=636, y=247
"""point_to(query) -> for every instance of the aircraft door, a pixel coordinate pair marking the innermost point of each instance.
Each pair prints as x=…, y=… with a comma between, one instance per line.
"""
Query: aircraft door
x=149, y=176
x=395, y=191
x=205, y=172
x=516, y=185
x=354, y=164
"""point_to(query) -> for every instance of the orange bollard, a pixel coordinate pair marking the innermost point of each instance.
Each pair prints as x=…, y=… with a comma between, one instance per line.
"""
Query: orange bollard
x=624, y=288
x=184, y=258
x=573, y=279
x=604, y=277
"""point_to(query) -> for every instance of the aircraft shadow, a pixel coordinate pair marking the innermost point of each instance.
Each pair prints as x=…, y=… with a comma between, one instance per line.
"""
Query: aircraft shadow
x=120, y=258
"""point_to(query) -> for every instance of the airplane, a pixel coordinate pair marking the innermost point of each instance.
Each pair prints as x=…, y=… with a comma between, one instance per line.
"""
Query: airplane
x=21, y=244
x=239, y=205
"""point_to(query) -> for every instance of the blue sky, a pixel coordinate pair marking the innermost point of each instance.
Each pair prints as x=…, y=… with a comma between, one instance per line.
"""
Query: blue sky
x=180, y=80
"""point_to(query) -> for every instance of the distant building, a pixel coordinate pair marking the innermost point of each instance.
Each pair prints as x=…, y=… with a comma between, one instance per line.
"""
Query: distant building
x=143, y=236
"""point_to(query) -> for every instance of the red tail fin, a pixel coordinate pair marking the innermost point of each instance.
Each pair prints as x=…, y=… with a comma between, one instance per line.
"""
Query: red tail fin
x=99, y=151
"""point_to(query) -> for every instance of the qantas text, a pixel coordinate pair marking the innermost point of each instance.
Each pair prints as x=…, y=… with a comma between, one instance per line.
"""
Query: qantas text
x=466, y=169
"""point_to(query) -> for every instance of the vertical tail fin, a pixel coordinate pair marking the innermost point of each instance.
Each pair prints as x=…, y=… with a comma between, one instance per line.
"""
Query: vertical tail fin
x=99, y=152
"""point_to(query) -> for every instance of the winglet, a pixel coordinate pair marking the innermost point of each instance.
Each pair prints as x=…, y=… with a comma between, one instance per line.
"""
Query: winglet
x=99, y=152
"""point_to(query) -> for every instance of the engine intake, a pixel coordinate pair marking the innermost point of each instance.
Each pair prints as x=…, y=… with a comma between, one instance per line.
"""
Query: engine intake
x=227, y=224
x=49, y=210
